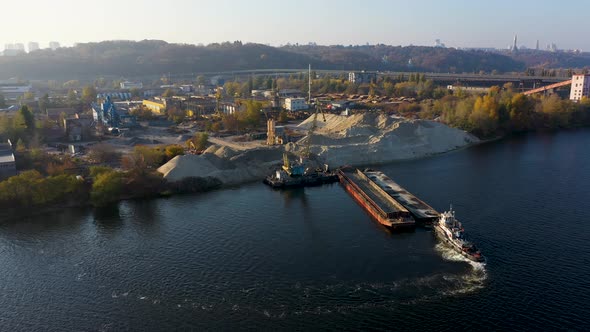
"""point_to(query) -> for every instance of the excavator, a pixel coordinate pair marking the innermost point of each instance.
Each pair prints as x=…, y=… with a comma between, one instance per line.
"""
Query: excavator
x=298, y=169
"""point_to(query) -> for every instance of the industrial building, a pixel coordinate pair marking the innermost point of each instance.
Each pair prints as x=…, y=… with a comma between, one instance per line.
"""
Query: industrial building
x=295, y=104
x=156, y=106
x=77, y=128
x=127, y=85
x=110, y=116
x=361, y=77
x=12, y=89
x=7, y=161
x=580, y=87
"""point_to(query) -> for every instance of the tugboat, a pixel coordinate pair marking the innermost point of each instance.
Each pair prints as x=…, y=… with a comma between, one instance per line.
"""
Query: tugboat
x=451, y=231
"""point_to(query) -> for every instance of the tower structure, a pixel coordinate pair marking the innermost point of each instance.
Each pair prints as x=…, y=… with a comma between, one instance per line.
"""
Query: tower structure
x=514, y=47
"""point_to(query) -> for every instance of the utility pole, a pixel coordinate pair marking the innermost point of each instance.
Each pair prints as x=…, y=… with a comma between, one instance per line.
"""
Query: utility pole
x=309, y=85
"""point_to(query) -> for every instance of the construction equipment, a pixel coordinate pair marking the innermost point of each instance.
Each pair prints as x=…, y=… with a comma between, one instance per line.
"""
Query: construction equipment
x=318, y=109
x=270, y=132
x=548, y=87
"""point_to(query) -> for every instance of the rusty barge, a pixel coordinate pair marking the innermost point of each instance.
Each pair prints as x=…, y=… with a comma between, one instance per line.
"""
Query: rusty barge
x=422, y=212
x=380, y=205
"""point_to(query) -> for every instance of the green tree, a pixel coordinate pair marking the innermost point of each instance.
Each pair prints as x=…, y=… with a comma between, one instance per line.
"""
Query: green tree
x=201, y=79
x=24, y=119
x=252, y=114
x=106, y=188
x=200, y=141
x=44, y=103
x=2, y=101
x=72, y=97
x=89, y=94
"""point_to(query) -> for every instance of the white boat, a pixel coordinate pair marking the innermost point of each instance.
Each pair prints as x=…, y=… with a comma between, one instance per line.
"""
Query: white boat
x=451, y=231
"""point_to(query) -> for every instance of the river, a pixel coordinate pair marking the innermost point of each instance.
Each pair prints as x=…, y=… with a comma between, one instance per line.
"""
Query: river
x=255, y=258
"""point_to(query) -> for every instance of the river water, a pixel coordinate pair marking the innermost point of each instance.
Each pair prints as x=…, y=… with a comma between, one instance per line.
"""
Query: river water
x=256, y=258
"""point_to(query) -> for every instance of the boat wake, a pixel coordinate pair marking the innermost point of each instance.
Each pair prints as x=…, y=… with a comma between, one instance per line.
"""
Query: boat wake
x=471, y=281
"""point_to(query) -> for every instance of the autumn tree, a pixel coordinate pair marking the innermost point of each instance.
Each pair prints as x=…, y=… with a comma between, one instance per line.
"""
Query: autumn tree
x=168, y=93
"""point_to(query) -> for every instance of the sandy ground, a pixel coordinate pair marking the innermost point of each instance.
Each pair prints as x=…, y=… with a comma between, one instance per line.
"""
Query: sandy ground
x=360, y=139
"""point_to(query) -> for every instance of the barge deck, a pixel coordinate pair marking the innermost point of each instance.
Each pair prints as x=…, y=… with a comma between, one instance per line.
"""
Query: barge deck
x=421, y=211
x=382, y=207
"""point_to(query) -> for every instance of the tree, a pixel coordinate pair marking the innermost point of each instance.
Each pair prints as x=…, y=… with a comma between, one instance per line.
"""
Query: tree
x=20, y=146
x=44, y=103
x=106, y=188
x=199, y=140
x=24, y=119
x=28, y=96
x=168, y=93
x=283, y=116
x=252, y=113
x=2, y=101
x=230, y=122
x=201, y=80
x=175, y=114
x=135, y=93
x=72, y=97
x=103, y=153
x=89, y=94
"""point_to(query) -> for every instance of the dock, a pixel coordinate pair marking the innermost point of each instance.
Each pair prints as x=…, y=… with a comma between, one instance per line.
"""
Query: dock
x=421, y=211
x=375, y=200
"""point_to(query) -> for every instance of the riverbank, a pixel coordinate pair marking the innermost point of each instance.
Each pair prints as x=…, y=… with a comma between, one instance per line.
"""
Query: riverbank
x=357, y=140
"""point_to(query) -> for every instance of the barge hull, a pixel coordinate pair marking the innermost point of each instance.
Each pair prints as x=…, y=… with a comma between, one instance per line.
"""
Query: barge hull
x=381, y=207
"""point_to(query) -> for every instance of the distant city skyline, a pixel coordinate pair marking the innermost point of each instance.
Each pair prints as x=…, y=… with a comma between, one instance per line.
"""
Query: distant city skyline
x=456, y=23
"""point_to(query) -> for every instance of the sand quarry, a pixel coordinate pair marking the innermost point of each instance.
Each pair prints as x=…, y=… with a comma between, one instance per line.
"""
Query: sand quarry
x=356, y=140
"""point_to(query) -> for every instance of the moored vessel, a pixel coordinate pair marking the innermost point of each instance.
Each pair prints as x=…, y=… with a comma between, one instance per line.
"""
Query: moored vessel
x=382, y=207
x=451, y=231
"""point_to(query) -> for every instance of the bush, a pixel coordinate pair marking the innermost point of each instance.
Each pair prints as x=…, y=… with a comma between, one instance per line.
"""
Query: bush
x=30, y=188
x=103, y=153
x=107, y=188
x=173, y=151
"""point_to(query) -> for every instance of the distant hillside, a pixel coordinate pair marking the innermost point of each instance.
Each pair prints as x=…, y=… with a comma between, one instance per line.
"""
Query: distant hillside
x=411, y=58
x=146, y=58
x=544, y=59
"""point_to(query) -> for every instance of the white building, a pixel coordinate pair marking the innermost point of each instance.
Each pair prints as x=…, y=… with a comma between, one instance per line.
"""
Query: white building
x=580, y=87
x=54, y=45
x=131, y=85
x=361, y=77
x=33, y=46
x=295, y=104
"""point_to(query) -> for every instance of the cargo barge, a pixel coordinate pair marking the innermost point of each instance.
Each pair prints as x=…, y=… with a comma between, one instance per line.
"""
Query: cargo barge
x=382, y=207
x=422, y=212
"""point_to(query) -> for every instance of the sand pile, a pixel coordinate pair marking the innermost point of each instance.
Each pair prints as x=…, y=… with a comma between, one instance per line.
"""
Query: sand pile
x=229, y=166
x=357, y=140
x=372, y=138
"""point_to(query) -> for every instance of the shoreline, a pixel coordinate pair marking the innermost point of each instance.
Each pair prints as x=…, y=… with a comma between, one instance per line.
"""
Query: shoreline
x=8, y=217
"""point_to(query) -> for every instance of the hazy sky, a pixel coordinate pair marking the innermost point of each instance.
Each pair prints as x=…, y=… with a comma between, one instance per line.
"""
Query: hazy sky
x=458, y=23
